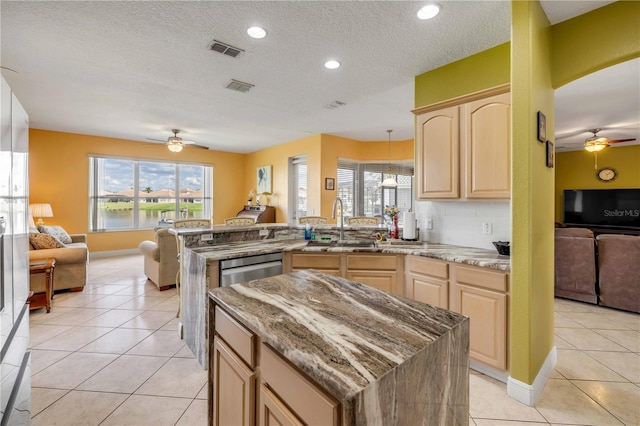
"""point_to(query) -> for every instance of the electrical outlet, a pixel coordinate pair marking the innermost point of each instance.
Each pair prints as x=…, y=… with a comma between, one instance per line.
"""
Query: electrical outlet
x=486, y=228
x=429, y=223
x=264, y=233
x=206, y=237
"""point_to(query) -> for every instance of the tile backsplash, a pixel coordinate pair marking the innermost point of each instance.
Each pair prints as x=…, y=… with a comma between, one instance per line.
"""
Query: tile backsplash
x=461, y=222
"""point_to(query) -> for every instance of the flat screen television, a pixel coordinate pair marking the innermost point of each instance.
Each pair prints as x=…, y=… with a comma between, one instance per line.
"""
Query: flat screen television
x=612, y=208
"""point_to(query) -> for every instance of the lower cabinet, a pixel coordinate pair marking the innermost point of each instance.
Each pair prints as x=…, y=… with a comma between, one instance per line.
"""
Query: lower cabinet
x=382, y=271
x=482, y=294
x=285, y=396
x=234, y=388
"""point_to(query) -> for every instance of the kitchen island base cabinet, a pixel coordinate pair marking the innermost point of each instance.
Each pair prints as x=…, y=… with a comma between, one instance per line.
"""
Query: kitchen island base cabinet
x=274, y=412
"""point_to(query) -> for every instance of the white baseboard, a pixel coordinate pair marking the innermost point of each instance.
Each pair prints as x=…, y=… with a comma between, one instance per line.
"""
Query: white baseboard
x=530, y=394
x=488, y=371
x=113, y=253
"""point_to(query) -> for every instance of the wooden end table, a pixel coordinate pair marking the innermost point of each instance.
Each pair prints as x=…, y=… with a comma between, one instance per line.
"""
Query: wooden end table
x=46, y=267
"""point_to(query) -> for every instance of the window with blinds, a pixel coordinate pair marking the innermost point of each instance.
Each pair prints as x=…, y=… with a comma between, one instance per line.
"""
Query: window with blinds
x=360, y=187
x=298, y=187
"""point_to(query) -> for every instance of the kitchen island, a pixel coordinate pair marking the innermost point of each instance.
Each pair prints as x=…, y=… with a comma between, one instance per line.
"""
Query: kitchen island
x=320, y=349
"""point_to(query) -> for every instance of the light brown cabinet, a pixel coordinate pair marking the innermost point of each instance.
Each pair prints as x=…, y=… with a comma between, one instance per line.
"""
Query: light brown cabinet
x=482, y=295
x=285, y=397
x=463, y=147
x=427, y=281
x=382, y=271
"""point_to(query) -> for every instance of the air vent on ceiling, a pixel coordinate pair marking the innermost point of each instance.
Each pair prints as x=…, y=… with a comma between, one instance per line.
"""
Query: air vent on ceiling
x=225, y=49
x=239, y=86
x=334, y=105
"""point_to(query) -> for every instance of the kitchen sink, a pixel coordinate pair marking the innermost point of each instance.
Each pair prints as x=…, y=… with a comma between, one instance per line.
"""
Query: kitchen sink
x=342, y=243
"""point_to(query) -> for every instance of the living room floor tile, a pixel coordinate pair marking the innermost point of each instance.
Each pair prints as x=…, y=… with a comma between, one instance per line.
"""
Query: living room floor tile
x=41, y=358
x=150, y=320
x=117, y=341
x=142, y=302
x=80, y=408
x=620, y=399
x=113, y=318
x=38, y=316
x=196, y=414
x=43, y=332
x=125, y=374
x=629, y=339
x=109, y=302
x=495, y=422
x=41, y=398
x=574, y=364
x=586, y=339
x=72, y=299
x=593, y=320
x=169, y=305
x=139, y=410
x=179, y=377
x=74, y=339
x=160, y=343
x=626, y=364
x=203, y=394
x=70, y=371
x=104, y=289
x=76, y=316
x=560, y=320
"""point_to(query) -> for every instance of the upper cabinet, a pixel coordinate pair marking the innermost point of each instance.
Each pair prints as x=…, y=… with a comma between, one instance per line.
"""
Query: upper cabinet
x=463, y=147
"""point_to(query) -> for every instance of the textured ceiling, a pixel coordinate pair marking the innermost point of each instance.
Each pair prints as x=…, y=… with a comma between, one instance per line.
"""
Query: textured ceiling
x=135, y=70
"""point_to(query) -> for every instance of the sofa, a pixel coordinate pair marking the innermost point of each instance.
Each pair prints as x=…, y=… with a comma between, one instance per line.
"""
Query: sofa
x=161, y=259
x=72, y=262
x=575, y=264
x=619, y=271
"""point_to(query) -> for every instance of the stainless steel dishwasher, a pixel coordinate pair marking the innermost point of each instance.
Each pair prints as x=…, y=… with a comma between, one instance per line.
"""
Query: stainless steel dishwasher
x=241, y=269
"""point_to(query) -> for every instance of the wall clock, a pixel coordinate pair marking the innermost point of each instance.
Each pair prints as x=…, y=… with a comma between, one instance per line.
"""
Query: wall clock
x=607, y=174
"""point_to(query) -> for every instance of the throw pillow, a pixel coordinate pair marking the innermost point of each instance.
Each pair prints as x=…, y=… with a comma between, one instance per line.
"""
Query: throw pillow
x=56, y=231
x=44, y=241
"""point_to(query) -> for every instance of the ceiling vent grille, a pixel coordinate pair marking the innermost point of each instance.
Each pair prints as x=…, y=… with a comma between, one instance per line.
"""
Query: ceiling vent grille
x=225, y=49
x=239, y=86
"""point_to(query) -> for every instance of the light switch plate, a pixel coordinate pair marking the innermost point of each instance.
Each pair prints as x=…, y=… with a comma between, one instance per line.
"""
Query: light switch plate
x=429, y=223
x=487, y=228
x=206, y=237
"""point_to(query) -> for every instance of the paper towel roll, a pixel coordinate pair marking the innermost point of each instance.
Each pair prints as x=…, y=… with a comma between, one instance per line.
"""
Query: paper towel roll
x=409, y=229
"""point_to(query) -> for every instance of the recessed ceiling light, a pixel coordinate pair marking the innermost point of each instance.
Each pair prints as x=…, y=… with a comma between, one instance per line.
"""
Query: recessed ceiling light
x=429, y=11
x=256, y=32
x=332, y=65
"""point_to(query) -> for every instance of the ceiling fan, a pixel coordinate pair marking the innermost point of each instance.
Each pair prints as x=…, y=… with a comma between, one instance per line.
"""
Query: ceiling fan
x=596, y=144
x=175, y=143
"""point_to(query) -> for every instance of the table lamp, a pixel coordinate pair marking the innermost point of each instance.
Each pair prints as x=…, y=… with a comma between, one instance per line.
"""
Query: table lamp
x=41, y=210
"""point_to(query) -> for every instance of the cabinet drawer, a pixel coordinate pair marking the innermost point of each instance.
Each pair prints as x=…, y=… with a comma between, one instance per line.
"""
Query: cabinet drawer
x=375, y=262
x=482, y=277
x=315, y=261
x=238, y=337
x=425, y=266
x=310, y=404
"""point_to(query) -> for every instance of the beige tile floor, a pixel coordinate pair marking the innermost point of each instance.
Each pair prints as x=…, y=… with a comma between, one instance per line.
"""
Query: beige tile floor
x=111, y=355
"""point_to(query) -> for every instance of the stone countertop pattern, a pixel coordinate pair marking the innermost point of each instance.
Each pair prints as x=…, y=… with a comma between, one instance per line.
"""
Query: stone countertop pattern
x=467, y=255
x=343, y=334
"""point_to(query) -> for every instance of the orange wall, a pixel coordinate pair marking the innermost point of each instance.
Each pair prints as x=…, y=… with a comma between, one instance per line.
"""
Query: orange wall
x=59, y=175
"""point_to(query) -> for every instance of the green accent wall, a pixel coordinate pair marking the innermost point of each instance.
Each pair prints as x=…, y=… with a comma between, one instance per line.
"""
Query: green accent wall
x=483, y=70
x=576, y=170
x=596, y=40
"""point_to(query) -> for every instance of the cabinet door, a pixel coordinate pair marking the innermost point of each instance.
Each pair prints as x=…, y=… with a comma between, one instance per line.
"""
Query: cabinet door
x=273, y=412
x=382, y=280
x=429, y=290
x=487, y=136
x=437, y=154
x=487, y=312
x=233, y=388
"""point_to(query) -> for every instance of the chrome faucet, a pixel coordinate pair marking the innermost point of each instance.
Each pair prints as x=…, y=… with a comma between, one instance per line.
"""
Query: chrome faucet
x=333, y=216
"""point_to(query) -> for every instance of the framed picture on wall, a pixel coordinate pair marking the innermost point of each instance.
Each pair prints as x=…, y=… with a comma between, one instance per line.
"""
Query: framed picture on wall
x=329, y=184
x=542, y=127
x=550, y=154
x=263, y=179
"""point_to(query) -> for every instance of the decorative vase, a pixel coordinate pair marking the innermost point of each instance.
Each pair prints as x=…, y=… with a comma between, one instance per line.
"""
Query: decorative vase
x=395, y=231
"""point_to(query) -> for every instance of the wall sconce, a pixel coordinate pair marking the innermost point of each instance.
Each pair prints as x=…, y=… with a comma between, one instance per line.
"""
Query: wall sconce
x=41, y=210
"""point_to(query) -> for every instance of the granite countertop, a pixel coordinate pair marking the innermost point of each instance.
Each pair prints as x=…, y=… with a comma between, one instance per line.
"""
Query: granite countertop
x=468, y=255
x=343, y=334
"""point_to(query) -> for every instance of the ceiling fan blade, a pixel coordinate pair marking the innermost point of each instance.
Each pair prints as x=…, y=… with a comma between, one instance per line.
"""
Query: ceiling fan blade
x=620, y=140
x=157, y=140
x=198, y=146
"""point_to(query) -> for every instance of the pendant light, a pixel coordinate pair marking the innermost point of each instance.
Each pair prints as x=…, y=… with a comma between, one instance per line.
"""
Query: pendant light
x=389, y=181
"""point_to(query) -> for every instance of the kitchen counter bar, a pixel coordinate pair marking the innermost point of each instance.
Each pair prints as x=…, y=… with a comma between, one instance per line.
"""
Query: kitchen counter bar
x=386, y=359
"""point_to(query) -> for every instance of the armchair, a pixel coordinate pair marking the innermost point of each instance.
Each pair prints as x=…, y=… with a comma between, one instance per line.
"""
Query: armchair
x=160, y=259
x=575, y=264
x=72, y=262
x=619, y=271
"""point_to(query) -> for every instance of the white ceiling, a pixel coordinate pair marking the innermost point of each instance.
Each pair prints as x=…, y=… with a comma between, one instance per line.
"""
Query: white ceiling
x=135, y=70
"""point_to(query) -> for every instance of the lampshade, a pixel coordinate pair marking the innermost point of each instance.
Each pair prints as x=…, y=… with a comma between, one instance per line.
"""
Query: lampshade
x=389, y=181
x=41, y=210
x=174, y=146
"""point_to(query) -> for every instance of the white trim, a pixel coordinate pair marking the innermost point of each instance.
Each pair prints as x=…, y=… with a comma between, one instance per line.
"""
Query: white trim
x=113, y=253
x=488, y=371
x=530, y=394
